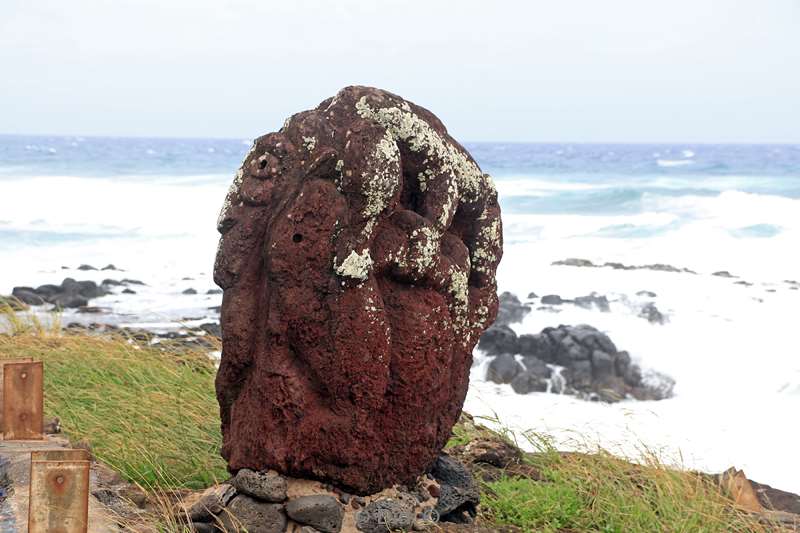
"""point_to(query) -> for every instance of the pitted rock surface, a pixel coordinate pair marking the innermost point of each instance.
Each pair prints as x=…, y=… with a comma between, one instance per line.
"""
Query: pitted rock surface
x=358, y=256
x=320, y=511
x=459, y=496
x=245, y=514
x=266, y=486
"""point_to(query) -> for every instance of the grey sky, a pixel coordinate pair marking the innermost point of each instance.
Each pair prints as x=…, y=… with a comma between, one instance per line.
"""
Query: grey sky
x=556, y=70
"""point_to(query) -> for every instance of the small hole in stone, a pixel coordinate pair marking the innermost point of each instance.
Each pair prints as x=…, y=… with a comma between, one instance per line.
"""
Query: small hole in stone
x=297, y=237
x=262, y=164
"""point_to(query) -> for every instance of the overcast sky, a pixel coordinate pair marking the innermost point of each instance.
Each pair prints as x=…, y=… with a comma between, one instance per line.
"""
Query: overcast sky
x=555, y=70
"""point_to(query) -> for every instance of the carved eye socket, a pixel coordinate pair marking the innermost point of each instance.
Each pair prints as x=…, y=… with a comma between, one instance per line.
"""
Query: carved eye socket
x=279, y=150
x=262, y=163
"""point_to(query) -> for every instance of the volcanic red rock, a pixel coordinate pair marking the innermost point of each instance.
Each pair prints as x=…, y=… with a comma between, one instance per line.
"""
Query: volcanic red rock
x=358, y=255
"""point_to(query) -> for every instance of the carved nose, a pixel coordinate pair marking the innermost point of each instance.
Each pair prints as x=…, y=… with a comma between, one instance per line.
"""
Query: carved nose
x=226, y=224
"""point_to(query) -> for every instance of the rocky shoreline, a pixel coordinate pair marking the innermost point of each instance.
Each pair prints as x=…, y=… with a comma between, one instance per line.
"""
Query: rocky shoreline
x=575, y=360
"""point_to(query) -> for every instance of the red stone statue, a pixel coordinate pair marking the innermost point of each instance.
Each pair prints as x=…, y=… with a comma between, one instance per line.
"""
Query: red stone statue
x=358, y=255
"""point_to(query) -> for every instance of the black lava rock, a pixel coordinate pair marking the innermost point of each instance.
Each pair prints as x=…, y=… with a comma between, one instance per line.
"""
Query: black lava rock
x=385, y=515
x=253, y=516
x=320, y=511
x=267, y=486
x=458, y=493
x=503, y=369
x=498, y=339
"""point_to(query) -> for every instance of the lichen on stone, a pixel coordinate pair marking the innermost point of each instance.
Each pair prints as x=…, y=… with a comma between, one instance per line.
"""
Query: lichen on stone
x=487, y=240
x=425, y=246
x=380, y=185
x=310, y=143
x=406, y=126
x=355, y=265
x=459, y=289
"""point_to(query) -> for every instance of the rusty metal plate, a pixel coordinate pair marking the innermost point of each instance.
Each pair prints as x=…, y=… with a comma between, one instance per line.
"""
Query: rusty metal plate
x=60, y=455
x=2, y=364
x=23, y=401
x=59, y=497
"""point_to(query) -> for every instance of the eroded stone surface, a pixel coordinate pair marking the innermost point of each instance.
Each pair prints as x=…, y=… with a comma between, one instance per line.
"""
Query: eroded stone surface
x=267, y=486
x=358, y=253
x=248, y=515
x=320, y=511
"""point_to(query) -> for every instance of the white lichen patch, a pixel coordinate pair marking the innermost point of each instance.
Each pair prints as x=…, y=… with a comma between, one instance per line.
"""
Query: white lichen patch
x=423, y=178
x=355, y=265
x=481, y=315
x=425, y=247
x=339, y=165
x=448, y=208
x=380, y=185
x=310, y=143
x=487, y=241
x=459, y=289
x=406, y=126
x=387, y=149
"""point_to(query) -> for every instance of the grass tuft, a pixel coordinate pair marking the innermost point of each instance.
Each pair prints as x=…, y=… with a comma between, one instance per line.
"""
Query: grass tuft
x=602, y=492
x=151, y=415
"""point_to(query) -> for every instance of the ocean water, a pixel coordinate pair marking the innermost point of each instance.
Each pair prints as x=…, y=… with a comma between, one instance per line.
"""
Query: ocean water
x=149, y=206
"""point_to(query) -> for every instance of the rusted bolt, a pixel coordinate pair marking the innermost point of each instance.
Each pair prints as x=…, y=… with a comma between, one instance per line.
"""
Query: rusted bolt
x=24, y=375
x=60, y=480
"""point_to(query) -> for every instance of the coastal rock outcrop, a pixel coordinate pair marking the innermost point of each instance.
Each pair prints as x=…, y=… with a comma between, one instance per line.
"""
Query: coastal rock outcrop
x=70, y=294
x=578, y=360
x=358, y=255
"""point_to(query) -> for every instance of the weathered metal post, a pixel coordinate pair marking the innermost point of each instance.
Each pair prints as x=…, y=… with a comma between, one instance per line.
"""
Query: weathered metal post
x=59, y=492
x=23, y=401
x=2, y=365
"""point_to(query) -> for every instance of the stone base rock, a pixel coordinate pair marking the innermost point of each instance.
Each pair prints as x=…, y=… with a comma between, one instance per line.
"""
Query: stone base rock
x=267, y=502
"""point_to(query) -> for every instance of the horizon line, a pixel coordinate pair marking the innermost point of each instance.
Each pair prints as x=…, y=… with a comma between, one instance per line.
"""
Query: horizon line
x=244, y=139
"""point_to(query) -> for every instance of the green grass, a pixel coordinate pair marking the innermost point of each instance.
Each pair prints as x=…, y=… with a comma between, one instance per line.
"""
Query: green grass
x=533, y=505
x=602, y=492
x=153, y=416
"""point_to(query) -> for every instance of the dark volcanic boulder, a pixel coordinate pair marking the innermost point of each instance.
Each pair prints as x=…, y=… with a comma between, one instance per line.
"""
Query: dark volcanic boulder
x=650, y=312
x=503, y=368
x=538, y=345
x=593, y=367
x=593, y=300
x=358, y=256
x=70, y=293
x=320, y=511
x=578, y=360
x=244, y=513
x=552, y=299
x=529, y=381
x=458, y=492
x=27, y=295
x=510, y=309
x=499, y=339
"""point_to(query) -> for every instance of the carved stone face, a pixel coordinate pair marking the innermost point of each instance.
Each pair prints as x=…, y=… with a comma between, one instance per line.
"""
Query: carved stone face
x=358, y=252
